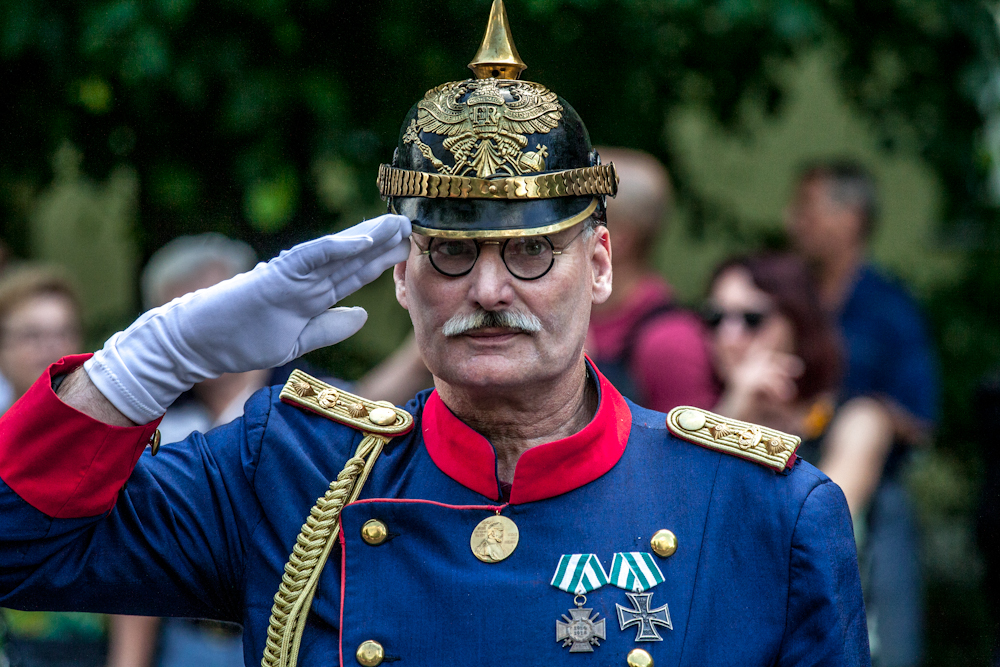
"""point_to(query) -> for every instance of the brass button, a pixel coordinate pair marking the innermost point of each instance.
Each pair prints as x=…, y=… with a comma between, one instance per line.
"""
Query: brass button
x=382, y=416
x=154, y=442
x=691, y=420
x=637, y=658
x=664, y=543
x=374, y=532
x=371, y=654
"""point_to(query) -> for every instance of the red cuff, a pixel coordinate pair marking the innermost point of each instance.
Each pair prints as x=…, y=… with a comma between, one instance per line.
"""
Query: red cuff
x=61, y=461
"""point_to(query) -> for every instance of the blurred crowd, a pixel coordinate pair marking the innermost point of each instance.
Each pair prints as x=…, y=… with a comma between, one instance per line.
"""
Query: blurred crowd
x=813, y=340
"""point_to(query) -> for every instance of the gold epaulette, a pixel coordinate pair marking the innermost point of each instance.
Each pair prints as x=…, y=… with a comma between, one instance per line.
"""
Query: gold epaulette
x=380, y=417
x=759, y=444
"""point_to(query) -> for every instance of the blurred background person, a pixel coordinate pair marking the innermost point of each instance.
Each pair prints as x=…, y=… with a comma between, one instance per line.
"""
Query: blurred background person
x=778, y=358
x=831, y=219
x=40, y=322
x=777, y=355
x=651, y=349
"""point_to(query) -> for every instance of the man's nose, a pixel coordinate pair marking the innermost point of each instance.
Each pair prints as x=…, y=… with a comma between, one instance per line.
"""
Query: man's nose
x=491, y=281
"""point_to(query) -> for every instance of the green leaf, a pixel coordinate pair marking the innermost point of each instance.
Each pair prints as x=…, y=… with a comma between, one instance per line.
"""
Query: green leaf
x=269, y=204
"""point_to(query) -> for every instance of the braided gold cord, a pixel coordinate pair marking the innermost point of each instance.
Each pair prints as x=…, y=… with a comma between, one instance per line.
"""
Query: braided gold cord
x=312, y=549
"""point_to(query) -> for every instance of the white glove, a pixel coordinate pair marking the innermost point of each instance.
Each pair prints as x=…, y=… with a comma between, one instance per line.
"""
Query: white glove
x=260, y=319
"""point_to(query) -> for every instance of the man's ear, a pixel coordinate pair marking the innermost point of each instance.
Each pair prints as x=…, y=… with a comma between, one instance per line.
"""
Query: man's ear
x=399, y=278
x=601, y=263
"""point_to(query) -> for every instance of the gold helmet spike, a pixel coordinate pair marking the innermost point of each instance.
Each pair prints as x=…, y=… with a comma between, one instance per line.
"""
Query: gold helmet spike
x=497, y=56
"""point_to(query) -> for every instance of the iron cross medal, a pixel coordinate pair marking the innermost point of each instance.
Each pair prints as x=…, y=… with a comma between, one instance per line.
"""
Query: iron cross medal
x=579, y=631
x=644, y=617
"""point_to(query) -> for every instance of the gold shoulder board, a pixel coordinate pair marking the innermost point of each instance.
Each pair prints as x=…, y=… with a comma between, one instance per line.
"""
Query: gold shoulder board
x=379, y=417
x=759, y=444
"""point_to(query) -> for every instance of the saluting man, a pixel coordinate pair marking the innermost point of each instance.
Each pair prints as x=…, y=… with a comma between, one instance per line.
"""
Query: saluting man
x=613, y=535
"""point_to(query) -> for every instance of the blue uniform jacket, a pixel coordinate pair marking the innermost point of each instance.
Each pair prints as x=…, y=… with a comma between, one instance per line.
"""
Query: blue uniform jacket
x=765, y=572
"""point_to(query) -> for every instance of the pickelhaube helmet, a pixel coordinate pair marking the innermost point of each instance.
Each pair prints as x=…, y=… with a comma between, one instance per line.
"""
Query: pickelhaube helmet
x=493, y=156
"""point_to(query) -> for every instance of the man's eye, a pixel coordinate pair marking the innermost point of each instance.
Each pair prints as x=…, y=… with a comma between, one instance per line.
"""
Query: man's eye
x=452, y=248
x=534, y=247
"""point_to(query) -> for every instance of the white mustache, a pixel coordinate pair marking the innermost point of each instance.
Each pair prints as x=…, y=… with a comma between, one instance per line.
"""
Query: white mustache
x=491, y=319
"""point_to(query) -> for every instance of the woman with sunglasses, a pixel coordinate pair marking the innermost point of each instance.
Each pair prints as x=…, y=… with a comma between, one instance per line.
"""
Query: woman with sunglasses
x=778, y=359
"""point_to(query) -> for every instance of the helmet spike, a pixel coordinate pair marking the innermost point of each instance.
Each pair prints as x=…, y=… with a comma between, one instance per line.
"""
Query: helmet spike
x=497, y=56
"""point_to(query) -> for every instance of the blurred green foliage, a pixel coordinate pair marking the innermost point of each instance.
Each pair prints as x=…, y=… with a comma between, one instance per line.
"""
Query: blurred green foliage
x=266, y=119
x=231, y=111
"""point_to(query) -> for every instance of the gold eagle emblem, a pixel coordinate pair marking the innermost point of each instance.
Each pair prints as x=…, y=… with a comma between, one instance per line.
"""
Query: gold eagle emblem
x=485, y=123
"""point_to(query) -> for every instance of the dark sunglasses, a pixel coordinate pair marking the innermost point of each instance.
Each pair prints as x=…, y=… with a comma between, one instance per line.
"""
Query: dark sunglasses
x=751, y=319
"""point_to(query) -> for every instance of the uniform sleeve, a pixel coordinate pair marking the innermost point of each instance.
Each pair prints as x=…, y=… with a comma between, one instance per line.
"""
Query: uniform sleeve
x=825, y=623
x=172, y=541
x=61, y=461
x=672, y=365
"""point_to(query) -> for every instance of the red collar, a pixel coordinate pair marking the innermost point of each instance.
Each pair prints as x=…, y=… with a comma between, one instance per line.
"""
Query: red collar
x=542, y=472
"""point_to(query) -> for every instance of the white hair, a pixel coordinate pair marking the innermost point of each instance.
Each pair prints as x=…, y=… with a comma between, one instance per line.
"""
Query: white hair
x=490, y=319
x=186, y=256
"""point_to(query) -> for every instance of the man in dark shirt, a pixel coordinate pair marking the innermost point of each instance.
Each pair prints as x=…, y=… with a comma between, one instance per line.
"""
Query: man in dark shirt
x=890, y=358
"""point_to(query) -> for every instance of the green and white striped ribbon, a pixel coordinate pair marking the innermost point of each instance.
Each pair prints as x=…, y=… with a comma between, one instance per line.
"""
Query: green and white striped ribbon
x=635, y=571
x=579, y=574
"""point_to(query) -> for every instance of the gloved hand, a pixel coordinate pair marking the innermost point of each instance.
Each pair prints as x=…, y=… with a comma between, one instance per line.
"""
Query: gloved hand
x=260, y=319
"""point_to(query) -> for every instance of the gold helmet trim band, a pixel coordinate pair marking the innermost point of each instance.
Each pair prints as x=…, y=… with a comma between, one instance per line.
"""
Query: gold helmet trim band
x=507, y=233
x=599, y=180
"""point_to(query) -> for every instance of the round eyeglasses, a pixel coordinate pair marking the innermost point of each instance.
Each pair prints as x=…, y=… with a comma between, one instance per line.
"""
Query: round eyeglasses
x=527, y=258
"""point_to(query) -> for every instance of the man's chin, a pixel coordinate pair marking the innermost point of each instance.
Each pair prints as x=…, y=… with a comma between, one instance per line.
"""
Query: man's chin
x=488, y=370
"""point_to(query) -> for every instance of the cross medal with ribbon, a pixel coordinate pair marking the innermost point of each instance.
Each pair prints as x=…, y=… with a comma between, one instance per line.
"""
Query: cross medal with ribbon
x=635, y=572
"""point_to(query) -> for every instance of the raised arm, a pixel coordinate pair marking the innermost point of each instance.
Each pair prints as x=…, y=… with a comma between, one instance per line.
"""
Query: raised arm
x=261, y=319
x=71, y=534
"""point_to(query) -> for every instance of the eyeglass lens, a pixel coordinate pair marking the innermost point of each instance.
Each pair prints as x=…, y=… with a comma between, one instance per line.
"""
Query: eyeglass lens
x=526, y=258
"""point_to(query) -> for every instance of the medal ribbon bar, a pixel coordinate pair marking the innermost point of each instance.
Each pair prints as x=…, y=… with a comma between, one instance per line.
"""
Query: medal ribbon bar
x=635, y=571
x=579, y=574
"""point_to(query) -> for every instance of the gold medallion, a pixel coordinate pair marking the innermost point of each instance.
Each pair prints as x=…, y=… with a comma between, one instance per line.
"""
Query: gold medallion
x=494, y=539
